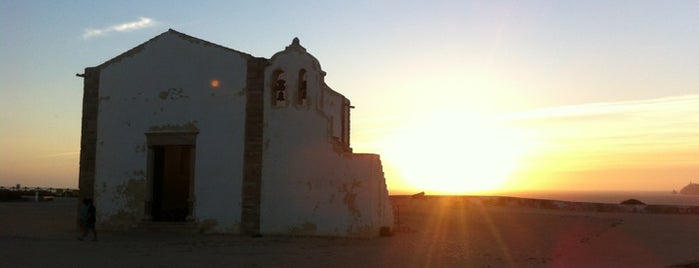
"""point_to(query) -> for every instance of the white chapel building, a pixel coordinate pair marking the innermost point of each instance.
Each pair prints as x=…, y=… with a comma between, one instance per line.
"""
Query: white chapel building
x=179, y=129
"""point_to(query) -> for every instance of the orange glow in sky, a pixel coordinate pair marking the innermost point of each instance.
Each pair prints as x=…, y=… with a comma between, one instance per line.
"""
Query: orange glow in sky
x=449, y=151
x=583, y=147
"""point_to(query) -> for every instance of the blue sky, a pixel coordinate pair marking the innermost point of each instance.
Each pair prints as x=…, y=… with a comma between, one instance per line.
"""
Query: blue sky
x=396, y=60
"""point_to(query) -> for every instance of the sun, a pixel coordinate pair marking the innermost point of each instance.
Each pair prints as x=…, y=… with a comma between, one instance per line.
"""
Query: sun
x=454, y=153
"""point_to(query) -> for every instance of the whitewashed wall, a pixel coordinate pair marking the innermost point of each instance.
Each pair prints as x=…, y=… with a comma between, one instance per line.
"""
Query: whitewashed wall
x=310, y=186
x=311, y=183
x=167, y=84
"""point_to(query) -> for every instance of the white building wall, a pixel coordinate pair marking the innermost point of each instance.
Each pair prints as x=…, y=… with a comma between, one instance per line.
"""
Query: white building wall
x=310, y=184
x=166, y=85
x=332, y=106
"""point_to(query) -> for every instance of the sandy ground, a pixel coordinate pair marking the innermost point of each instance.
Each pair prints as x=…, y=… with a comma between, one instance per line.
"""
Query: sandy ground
x=435, y=232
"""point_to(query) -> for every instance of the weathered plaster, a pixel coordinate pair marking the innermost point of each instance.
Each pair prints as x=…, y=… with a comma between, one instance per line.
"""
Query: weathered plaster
x=350, y=195
x=307, y=159
x=207, y=226
x=163, y=86
x=258, y=167
x=307, y=228
x=172, y=94
x=130, y=199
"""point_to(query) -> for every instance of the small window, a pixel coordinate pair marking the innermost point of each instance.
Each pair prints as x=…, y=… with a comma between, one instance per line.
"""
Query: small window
x=302, y=87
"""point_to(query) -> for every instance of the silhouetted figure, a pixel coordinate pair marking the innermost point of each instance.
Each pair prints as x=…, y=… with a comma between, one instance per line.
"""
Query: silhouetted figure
x=88, y=218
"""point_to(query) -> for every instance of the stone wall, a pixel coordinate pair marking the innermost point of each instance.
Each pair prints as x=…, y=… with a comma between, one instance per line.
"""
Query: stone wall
x=88, y=137
x=252, y=169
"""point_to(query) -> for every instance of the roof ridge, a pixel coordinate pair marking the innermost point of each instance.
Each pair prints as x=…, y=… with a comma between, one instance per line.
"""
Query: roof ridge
x=181, y=35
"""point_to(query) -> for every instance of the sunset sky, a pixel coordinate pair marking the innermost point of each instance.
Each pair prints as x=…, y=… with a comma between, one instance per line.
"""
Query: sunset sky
x=456, y=96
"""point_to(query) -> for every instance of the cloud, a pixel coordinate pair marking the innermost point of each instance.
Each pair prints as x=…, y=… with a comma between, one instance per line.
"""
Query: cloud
x=63, y=154
x=614, y=134
x=661, y=110
x=141, y=23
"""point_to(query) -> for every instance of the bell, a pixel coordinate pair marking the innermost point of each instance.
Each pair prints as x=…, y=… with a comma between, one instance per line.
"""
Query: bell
x=280, y=95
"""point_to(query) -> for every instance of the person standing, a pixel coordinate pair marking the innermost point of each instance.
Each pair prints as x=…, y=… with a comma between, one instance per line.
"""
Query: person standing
x=90, y=218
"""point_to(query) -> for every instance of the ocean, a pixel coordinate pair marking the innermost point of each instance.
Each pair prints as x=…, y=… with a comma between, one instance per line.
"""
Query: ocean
x=613, y=197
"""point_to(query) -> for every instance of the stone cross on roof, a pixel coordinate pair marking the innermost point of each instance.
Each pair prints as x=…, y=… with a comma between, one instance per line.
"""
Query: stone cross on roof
x=296, y=45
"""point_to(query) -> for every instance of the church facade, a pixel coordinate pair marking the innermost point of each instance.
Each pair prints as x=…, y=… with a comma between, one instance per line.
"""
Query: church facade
x=179, y=129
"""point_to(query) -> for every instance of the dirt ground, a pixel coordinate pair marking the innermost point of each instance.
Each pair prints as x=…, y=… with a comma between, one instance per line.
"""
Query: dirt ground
x=432, y=232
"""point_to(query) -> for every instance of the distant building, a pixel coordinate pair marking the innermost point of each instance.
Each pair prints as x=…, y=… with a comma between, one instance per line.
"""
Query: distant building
x=180, y=129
